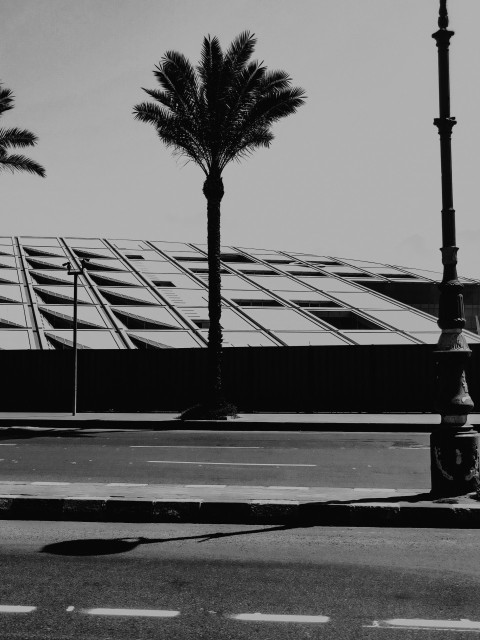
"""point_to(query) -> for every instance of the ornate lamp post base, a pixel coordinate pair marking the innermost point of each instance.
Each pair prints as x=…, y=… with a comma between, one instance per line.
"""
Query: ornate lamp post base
x=454, y=447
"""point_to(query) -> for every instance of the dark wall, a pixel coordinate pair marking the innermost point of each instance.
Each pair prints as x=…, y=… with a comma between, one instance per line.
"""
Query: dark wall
x=380, y=378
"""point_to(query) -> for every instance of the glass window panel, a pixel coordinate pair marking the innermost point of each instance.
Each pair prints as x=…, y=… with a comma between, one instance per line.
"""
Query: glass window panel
x=341, y=270
x=186, y=297
x=105, y=279
x=380, y=337
x=54, y=278
x=164, y=339
x=279, y=283
x=157, y=314
x=427, y=337
x=10, y=293
x=8, y=275
x=247, y=339
x=12, y=315
x=237, y=283
x=364, y=300
x=129, y=244
x=94, y=254
x=281, y=319
x=14, y=339
x=7, y=262
x=156, y=266
x=306, y=338
x=115, y=295
x=170, y=247
x=230, y=320
x=105, y=265
x=146, y=254
x=38, y=242
x=165, y=280
x=86, y=339
x=329, y=284
x=88, y=243
x=61, y=295
x=56, y=316
x=404, y=320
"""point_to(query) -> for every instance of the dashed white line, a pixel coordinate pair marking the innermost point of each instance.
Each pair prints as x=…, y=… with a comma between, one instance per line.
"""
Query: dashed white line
x=184, y=446
x=15, y=608
x=418, y=623
x=145, y=613
x=290, y=488
x=70, y=608
x=236, y=464
x=269, y=617
x=206, y=486
x=51, y=484
x=127, y=484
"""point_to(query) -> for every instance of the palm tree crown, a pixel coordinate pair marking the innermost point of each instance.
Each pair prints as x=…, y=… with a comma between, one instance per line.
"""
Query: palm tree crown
x=15, y=138
x=222, y=110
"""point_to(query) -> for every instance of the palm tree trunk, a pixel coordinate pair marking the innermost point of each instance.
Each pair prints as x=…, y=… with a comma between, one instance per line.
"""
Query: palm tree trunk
x=213, y=191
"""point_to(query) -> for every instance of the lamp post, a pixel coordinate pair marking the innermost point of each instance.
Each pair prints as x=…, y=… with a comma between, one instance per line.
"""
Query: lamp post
x=75, y=273
x=454, y=444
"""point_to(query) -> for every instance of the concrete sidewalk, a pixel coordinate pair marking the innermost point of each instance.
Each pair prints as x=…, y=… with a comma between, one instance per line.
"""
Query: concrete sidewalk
x=243, y=422
x=221, y=504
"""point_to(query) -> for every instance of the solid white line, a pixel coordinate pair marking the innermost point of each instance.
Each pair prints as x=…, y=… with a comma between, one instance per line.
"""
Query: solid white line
x=237, y=464
x=268, y=617
x=7, y=444
x=15, y=608
x=127, y=484
x=150, y=613
x=418, y=623
x=50, y=484
x=183, y=446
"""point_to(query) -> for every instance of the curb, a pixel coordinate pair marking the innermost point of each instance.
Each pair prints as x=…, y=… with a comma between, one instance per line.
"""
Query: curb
x=260, y=512
x=221, y=425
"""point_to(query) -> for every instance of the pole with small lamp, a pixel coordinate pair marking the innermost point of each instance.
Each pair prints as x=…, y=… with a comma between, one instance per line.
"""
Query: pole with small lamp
x=454, y=451
x=75, y=273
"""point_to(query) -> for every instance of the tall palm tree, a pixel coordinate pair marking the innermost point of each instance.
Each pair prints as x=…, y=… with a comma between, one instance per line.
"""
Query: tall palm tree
x=220, y=111
x=13, y=139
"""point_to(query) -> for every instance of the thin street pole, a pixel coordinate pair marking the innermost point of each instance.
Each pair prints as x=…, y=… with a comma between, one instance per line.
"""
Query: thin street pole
x=454, y=444
x=75, y=373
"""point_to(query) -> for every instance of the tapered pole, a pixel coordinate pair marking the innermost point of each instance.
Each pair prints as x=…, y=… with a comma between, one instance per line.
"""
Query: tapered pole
x=454, y=444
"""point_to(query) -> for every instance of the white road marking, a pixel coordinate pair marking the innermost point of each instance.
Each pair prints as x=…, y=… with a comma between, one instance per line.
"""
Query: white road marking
x=7, y=444
x=268, y=617
x=145, y=613
x=70, y=608
x=292, y=488
x=237, y=464
x=207, y=486
x=50, y=484
x=184, y=446
x=414, y=447
x=127, y=484
x=15, y=608
x=419, y=623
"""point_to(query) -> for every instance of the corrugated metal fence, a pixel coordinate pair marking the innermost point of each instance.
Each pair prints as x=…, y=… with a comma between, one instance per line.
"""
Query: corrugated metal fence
x=369, y=378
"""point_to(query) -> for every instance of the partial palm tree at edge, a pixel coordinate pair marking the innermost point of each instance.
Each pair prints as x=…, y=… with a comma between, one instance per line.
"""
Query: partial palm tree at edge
x=220, y=111
x=15, y=138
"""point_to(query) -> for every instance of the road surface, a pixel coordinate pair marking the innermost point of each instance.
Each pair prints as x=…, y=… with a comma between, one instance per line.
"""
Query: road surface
x=333, y=459
x=139, y=582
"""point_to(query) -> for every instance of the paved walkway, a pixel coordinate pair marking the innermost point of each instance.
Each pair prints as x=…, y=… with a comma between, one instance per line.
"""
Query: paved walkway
x=244, y=421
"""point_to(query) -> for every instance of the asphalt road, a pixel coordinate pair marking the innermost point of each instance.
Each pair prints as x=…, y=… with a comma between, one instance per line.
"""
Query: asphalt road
x=332, y=459
x=140, y=582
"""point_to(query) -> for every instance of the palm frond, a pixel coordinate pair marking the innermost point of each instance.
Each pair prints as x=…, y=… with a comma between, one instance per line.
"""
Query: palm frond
x=6, y=99
x=14, y=137
x=16, y=162
x=240, y=51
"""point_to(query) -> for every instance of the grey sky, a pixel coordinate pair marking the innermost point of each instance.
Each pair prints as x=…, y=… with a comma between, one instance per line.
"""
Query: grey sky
x=355, y=173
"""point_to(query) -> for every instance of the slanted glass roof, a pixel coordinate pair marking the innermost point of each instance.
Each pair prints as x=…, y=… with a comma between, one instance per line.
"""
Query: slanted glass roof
x=141, y=294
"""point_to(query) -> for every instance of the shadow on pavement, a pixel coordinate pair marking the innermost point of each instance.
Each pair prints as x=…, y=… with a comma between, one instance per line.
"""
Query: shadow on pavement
x=24, y=433
x=109, y=546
